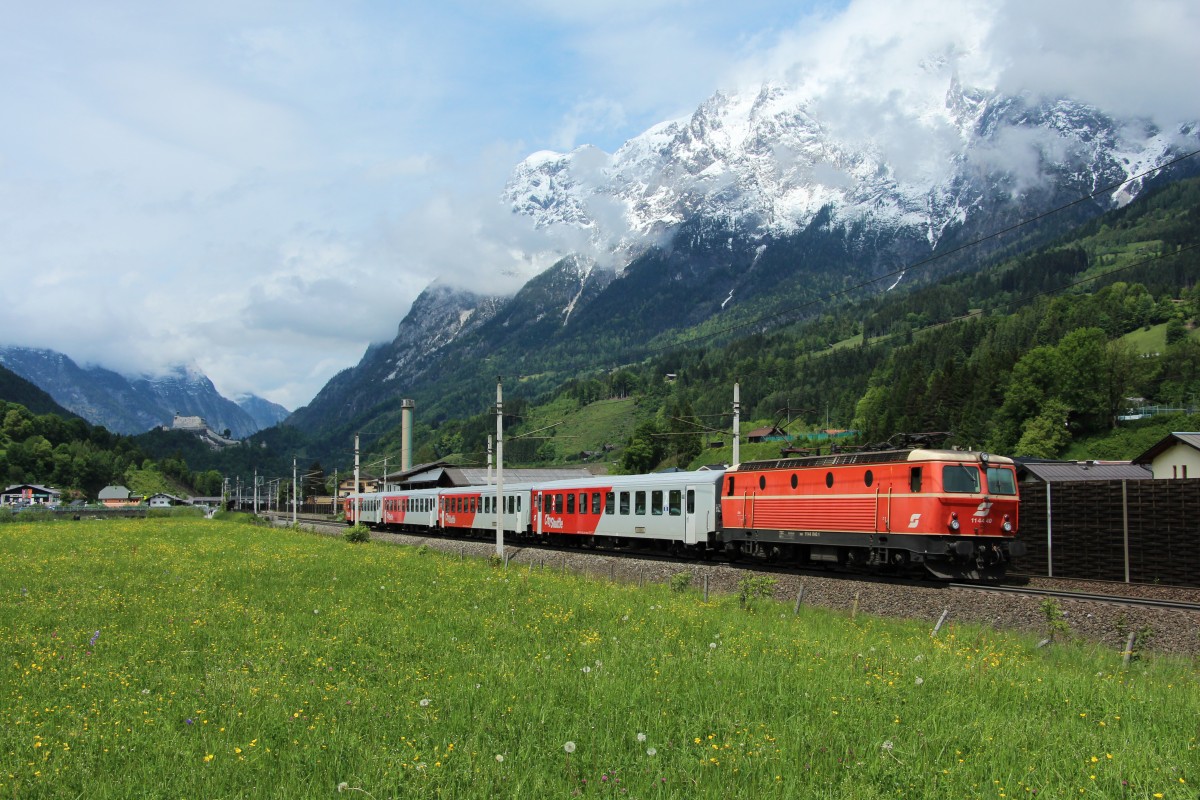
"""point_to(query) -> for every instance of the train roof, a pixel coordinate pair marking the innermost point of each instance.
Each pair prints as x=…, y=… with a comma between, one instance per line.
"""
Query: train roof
x=873, y=457
x=686, y=478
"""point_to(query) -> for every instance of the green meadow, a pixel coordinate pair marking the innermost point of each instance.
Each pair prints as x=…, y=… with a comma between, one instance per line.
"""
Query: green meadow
x=207, y=659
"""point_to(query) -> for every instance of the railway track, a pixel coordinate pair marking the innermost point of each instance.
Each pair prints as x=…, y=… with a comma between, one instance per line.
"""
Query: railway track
x=801, y=571
x=1059, y=594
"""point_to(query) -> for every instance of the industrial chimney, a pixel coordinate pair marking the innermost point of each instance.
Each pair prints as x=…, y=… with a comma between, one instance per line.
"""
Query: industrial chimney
x=406, y=422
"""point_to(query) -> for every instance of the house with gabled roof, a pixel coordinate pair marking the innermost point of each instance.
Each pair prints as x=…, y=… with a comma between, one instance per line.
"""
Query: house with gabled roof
x=118, y=497
x=24, y=494
x=1176, y=455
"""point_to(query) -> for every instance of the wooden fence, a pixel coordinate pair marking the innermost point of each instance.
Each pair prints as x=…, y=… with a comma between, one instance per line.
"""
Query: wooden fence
x=1141, y=531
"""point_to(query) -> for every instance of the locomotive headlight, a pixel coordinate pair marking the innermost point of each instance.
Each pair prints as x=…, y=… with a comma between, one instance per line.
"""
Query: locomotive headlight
x=954, y=521
x=1007, y=526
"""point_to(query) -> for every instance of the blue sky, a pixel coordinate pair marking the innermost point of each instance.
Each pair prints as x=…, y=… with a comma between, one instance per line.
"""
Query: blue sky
x=262, y=188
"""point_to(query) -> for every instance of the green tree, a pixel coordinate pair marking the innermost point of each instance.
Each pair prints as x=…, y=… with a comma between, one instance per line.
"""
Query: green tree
x=1047, y=434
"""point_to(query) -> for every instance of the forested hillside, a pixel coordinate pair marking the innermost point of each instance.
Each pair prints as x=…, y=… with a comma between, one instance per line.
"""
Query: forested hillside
x=80, y=459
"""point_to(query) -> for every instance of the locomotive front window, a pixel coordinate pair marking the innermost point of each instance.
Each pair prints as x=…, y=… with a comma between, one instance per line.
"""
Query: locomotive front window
x=960, y=478
x=1001, y=480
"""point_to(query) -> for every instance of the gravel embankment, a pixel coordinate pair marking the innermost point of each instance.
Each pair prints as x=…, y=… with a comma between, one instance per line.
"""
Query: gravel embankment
x=1108, y=624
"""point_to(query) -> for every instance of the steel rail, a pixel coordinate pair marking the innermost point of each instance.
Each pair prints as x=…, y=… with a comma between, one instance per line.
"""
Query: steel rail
x=1066, y=595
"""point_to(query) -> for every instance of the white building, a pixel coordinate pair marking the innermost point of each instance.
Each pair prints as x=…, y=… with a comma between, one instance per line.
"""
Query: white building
x=1176, y=456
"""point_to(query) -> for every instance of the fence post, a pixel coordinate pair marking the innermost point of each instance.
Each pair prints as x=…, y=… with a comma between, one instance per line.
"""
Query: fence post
x=799, y=598
x=1125, y=521
x=1049, y=535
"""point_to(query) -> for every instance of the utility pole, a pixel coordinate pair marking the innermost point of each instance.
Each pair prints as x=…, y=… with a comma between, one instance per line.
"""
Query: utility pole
x=489, y=461
x=737, y=423
x=256, y=491
x=295, y=498
x=357, y=498
x=499, y=469
x=333, y=504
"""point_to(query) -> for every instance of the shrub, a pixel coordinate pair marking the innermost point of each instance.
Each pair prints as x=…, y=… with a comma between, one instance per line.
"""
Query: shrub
x=681, y=581
x=751, y=589
x=357, y=533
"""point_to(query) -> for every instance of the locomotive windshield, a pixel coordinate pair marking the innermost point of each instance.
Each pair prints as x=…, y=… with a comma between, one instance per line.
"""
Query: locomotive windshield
x=960, y=478
x=1001, y=480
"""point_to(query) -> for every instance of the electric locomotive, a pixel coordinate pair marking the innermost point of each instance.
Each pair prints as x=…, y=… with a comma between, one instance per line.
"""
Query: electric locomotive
x=952, y=513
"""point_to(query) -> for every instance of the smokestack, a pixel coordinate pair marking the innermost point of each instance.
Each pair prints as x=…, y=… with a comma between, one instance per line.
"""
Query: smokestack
x=406, y=421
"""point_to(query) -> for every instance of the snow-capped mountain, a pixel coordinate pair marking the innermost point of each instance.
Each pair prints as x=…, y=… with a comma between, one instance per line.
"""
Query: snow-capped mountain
x=128, y=405
x=755, y=205
x=439, y=317
x=766, y=163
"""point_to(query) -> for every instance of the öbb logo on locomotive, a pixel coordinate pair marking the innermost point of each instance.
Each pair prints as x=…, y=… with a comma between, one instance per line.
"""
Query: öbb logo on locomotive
x=960, y=512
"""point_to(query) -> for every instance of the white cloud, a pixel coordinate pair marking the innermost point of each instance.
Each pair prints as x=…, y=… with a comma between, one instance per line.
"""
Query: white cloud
x=262, y=189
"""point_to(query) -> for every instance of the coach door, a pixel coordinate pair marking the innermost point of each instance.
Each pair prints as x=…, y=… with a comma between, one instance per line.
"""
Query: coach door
x=689, y=516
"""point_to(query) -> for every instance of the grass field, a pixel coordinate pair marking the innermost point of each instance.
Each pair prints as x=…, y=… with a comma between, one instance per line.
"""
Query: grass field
x=207, y=659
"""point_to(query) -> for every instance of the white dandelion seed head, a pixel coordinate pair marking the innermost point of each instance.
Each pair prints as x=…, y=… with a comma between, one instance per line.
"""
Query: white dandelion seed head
x=650, y=751
x=599, y=663
x=569, y=747
x=586, y=670
x=145, y=691
x=887, y=746
x=712, y=645
x=919, y=680
x=425, y=701
x=343, y=786
x=316, y=611
x=499, y=758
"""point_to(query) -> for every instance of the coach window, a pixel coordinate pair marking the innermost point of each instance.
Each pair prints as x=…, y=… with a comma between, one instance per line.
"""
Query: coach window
x=558, y=504
x=570, y=502
x=596, y=503
x=673, y=502
x=624, y=504
x=610, y=501
x=583, y=506
x=656, y=502
x=639, y=504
